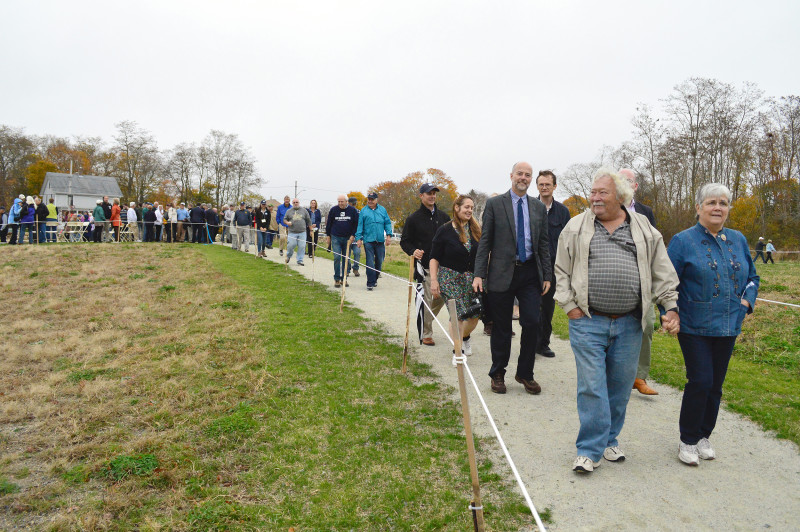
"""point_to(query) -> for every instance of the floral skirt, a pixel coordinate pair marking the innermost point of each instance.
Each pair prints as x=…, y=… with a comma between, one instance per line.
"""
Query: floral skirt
x=455, y=285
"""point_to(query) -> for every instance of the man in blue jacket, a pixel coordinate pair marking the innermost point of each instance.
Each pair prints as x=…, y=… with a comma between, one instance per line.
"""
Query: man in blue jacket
x=282, y=227
x=341, y=228
x=374, y=228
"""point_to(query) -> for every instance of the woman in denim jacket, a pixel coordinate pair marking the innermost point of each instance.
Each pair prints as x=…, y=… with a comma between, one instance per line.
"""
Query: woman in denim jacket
x=718, y=287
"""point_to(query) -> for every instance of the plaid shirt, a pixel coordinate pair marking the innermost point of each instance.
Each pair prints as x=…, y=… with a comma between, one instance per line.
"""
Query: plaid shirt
x=614, y=285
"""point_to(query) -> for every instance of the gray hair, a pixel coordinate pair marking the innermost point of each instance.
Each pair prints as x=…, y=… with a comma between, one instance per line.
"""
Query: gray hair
x=712, y=190
x=624, y=189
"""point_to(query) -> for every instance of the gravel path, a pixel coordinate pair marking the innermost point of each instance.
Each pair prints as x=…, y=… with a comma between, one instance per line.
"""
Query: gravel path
x=753, y=484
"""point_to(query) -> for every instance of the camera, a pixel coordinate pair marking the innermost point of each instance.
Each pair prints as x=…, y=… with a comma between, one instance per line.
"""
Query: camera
x=474, y=309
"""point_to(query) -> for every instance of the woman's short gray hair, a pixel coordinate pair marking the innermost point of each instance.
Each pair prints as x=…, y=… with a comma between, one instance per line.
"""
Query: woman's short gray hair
x=624, y=189
x=712, y=190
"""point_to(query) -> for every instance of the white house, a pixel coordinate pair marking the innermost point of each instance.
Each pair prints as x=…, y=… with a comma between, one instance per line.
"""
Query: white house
x=82, y=191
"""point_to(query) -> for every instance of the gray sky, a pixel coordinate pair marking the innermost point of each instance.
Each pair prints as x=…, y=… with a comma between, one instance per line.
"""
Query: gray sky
x=340, y=95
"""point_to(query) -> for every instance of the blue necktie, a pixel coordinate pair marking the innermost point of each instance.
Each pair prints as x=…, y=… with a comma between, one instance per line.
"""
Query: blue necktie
x=520, y=233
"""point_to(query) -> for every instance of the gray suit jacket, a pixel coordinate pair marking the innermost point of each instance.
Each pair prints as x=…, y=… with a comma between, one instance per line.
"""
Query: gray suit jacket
x=497, y=249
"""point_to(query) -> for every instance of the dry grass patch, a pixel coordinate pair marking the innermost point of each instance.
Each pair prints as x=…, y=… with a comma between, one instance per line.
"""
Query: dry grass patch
x=77, y=372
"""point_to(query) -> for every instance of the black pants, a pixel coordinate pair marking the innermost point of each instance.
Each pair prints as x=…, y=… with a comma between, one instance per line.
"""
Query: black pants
x=148, y=232
x=546, y=319
x=312, y=237
x=198, y=233
x=14, y=232
x=525, y=286
x=769, y=258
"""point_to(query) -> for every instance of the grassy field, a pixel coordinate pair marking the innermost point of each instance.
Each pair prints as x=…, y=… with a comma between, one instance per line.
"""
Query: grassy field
x=150, y=387
x=763, y=380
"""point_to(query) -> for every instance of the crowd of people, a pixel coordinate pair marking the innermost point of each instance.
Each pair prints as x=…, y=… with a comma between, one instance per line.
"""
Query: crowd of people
x=607, y=268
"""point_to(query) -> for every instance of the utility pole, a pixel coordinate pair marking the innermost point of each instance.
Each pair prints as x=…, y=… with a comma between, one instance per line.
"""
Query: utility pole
x=295, y=188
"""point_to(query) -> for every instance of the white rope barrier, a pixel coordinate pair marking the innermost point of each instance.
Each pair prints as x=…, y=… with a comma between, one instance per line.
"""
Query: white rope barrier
x=461, y=359
x=778, y=302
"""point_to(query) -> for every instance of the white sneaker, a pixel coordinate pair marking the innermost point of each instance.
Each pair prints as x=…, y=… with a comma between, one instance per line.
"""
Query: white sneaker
x=688, y=454
x=584, y=464
x=614, y=454
x=466, y=347
x=704, y=450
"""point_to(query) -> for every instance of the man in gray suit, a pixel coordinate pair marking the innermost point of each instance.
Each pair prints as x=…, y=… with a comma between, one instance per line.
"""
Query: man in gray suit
x=510, y=264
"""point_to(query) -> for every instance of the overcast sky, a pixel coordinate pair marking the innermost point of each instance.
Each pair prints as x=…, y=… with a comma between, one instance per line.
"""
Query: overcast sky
x=340, y=95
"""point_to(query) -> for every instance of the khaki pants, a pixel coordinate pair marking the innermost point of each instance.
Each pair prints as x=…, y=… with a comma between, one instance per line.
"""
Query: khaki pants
x=134, y=229
x=243, y=237
x=647, y=340
x=435, y=305
x=283, y=238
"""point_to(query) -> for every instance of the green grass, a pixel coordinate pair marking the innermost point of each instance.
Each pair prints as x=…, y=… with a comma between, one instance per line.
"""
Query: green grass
x=763, y=379
x=241, y=401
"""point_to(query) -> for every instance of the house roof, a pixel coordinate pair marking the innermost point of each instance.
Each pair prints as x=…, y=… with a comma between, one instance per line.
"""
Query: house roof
x=97, y=185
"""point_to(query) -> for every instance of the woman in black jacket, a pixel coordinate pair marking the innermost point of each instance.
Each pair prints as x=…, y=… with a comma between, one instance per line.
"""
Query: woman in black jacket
x=263, y=218
x=453, y=261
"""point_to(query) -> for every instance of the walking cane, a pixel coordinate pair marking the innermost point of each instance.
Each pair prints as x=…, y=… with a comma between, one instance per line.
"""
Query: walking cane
x=455, y=333
x=408, y=312
x=344, y=267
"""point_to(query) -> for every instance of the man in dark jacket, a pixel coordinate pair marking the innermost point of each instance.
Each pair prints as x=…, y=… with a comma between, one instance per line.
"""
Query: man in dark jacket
x=197, y=217
x=242, y=221
x=643, y=370
x=41, y=219
x=557, y=218
x=106, y=236
x=418, y=232
x=149, y=224
x=341, y=228
x=212, y=221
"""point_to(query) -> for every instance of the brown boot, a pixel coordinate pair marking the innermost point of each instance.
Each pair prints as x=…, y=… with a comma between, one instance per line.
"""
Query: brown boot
x=498, y=383
x=644, y=389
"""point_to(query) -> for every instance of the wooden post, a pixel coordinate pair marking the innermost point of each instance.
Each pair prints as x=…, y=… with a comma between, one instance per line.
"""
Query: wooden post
x=455, y=333
x=408, y=312
x=344, y=274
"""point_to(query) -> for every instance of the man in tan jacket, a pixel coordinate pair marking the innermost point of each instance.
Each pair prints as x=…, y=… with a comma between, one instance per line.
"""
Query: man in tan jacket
x=610, y=264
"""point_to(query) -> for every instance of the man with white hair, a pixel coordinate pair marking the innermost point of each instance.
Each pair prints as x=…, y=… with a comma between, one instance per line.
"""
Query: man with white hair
x=610, y=264
x=133, y=227
x=643, y=371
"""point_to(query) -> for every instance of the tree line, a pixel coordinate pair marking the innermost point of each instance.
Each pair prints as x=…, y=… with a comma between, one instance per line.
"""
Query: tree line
x=704, y=131
x=219, y=169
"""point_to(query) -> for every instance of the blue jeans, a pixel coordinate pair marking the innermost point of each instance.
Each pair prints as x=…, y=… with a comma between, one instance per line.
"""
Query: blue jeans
x=355, y=257
x=374, y=251
x=270, y=238
x=606, y=355
x=339, y=247
x=262, y=240
x=295, y=239
x=22, y=228
x=40, y=232
x=706, y=359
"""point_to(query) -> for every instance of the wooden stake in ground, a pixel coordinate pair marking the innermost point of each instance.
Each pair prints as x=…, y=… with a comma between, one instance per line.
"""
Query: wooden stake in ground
x=408, y=312
x=314, y=256
x=344, y=276
x=455, y=334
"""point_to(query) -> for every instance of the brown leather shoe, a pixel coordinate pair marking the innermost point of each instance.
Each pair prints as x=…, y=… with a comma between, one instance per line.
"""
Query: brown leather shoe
x=644, y=389
x=428, y=341
x=531, y=386
x=498, y=383
x=487, y=329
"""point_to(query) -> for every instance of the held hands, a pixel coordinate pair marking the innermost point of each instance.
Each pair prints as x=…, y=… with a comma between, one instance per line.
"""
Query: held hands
x=671, y=322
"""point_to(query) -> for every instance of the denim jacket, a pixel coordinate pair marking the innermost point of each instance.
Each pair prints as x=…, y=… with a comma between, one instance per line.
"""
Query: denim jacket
x=715, y=275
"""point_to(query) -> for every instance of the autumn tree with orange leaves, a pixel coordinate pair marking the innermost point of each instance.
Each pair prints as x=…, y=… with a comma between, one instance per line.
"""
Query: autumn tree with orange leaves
x=401, y=198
